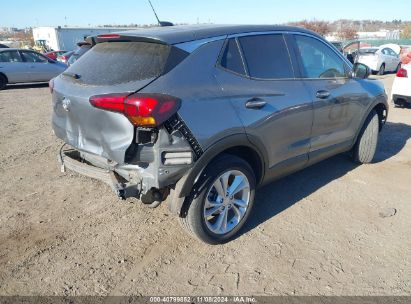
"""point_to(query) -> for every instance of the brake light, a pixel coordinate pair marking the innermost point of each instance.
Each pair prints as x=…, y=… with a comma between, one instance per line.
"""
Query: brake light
x=108, y=36
x=147, y=110
x=402, y=73
x=51, y=85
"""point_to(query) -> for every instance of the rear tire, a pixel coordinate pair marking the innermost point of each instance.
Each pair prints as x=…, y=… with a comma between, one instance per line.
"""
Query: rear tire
x=381, y=71
x=209, y=206
x=3, y=82
x=366, y=145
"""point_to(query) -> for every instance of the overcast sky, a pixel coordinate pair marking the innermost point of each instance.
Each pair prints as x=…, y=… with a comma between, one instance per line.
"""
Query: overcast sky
x=24, y=13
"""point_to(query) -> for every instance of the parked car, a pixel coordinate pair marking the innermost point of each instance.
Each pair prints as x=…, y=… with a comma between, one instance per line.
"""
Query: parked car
x=401, y=88
x=338, y=45
x=380, y=60
x=21, y=65
x=83, y=48
x=3, y=46
x=54, y=54
x=64, y=58
x=206, y=114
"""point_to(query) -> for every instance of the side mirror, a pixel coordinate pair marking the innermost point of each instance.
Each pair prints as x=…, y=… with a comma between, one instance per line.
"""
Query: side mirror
x=360, y=70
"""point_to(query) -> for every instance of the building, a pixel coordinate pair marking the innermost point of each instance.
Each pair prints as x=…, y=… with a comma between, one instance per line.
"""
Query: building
x=66, y=38
x=380, y=35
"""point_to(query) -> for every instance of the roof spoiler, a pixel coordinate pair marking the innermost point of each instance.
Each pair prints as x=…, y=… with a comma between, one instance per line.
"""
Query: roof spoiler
x=122, y=37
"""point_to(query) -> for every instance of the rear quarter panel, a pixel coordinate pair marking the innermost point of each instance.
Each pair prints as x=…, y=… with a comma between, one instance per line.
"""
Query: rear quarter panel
x=209, y=115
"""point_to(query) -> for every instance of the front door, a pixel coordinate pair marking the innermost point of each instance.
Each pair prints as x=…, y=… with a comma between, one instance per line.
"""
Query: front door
x=339, y=100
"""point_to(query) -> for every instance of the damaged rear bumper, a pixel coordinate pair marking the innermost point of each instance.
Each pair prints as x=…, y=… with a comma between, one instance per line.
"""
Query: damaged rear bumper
x=75, y=161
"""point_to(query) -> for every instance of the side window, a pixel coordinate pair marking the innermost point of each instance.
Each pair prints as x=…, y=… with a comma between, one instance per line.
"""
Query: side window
x=231, y=58
x=392, y=53
x=10, y=56
x=32, y=57
x=267, y=56
x=319, y=60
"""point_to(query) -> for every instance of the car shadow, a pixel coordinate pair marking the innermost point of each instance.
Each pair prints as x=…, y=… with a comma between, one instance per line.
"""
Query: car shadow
x=27, y=86
x=274, y=198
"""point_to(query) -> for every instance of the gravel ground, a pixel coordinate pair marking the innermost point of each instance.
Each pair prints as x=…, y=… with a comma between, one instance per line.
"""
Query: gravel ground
x=332, y=229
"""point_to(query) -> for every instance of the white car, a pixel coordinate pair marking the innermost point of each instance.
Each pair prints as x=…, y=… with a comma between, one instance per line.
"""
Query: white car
x=401, y=88
x=380, y=59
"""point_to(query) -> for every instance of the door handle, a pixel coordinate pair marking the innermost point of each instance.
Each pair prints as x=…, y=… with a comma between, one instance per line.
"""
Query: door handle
x=255, y=103
x=322, y=94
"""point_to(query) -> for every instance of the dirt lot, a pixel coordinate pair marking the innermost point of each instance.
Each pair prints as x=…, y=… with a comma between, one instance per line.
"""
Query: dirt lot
x=322, y=231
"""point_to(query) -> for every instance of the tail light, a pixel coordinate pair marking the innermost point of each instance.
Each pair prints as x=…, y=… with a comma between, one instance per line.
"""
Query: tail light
x=148, y=110
x=402, y=73
x=51, y=85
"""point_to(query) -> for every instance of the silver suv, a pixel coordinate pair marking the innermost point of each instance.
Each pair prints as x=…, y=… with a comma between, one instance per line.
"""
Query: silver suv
x=205, y=114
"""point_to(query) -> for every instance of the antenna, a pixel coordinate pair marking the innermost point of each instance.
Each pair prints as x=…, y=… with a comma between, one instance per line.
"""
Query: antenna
x=160, y=23
x=154, y=11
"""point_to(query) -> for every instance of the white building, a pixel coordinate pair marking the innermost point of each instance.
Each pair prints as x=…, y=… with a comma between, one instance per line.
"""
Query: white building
x=379, y=35
x=66, y=38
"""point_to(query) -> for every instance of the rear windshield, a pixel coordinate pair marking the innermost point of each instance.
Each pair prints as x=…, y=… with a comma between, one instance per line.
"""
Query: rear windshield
x=110, y=63
x=367, y=51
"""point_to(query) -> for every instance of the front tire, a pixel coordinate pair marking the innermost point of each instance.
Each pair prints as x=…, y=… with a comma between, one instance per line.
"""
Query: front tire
x=366, y=145
x=223, y=202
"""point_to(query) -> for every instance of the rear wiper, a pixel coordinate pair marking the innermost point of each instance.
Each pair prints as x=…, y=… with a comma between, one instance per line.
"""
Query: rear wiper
x=73, y=75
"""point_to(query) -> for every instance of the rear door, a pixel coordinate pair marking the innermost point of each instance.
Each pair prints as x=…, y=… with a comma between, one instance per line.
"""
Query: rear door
x=257, y=74
x=387, y=59
x=339, y=100
x=12, y=66
x=395, y=58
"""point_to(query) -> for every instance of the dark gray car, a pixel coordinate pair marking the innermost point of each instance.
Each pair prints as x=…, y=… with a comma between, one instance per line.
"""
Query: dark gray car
x=205, y=114
x=21, y=65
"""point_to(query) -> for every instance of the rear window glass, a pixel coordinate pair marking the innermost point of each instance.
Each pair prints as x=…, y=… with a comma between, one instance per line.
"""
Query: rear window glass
x=231, y=58
x=112, y=63
x=267, y=56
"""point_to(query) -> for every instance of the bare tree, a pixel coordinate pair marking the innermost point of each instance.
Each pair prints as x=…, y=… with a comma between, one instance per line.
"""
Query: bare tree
x=318, y=26
x=347, y=33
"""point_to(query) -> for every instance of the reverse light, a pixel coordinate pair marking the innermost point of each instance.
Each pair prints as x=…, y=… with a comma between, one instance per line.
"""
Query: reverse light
x=148, y=110
x=402, y=73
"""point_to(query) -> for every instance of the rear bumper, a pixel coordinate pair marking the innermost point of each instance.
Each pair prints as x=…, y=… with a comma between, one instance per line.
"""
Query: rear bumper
x=74, y=160
x=129, y=180
x=401, y=99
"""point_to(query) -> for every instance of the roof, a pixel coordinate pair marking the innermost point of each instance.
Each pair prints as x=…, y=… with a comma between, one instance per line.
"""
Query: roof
x=15, y=49
x=185, y=33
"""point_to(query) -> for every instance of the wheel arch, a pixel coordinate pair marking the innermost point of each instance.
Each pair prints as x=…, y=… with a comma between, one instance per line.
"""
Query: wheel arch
x=5, y=76
x=238, y=145
x=380, y=105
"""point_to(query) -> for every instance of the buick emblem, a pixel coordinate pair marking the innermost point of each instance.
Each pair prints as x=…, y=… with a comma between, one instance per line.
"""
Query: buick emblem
x=66, y=104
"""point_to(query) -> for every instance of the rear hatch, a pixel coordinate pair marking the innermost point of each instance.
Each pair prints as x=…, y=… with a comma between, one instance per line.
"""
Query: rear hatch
x=108, y=68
